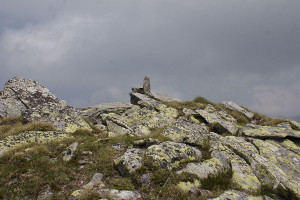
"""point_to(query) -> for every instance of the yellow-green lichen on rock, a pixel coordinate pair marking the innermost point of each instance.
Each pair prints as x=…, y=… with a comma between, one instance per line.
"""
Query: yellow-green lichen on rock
x=30, y=136
x=237, y=195
x=36, y=103
x=189, y=186
x=170, y=154
x=243, y=177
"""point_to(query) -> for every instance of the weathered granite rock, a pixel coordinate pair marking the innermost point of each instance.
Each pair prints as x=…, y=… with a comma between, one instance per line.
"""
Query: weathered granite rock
x=129, y=162
x=219, y=164
x=287, y=164
x=170, y=154
x=152, y=104
x=275, y=166
x=233, y=106
x=46, y=193
x=243, y=176
x=187, y=132
x=221, y=118
x=295, y=123
x=193, y=187
x=145, y=142
x=263, y=132
x=290, y=145
x=146, y=85
x=35, y=103
x=137, y=121
x=70, y=152
x=93, y=113
x=120, y=194
x=95, y=182
x=30, y=136
x=238, y=195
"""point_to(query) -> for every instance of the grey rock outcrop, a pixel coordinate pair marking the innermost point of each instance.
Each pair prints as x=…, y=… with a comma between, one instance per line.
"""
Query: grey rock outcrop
x=170, y=154
x=27, y=98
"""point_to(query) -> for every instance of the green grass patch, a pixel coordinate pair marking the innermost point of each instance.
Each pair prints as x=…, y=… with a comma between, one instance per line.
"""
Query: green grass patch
x=15, y=127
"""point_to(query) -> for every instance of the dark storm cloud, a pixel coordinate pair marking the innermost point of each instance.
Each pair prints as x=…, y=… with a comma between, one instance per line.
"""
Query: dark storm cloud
x=90, y=52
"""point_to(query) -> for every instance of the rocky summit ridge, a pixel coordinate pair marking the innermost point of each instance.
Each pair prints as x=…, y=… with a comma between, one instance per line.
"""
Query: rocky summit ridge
x=155, y=147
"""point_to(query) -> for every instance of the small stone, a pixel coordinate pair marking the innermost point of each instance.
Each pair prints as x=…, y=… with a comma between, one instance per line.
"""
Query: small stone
x=46, y=193
x=96, y=182
x=70, y=152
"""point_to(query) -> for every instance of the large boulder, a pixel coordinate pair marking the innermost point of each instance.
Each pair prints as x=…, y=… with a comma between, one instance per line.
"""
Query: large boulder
x=129, y=162
x=30, y=99
x=185, y=131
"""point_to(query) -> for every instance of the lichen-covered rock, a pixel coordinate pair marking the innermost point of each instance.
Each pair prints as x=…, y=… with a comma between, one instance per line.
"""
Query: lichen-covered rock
x=170, y=154
x=46, y=193
x=275, y=166
x=238, y=195
x=137, y=121
x=290, y=145
x=221, y=118
x=120, y=194
x=35, y=103
x=95, y=182
x=129, y=162
x=30, y=136
x=209, y=168
x=187, y=132
x=243, y=176
x=69, y=153
x=287, y=161
x=93, y=113
x=233, y=106
x=193, y=187
x=263, y=132
x=295, y=123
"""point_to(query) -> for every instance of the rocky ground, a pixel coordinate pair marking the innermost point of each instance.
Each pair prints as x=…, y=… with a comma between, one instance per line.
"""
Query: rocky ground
x=155, y=147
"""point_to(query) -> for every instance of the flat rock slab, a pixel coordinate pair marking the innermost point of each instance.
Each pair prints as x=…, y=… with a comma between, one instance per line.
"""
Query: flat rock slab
x=233, y=106
x=30, y=136
x=265, y=132
x=116, y=107
x=227, y=122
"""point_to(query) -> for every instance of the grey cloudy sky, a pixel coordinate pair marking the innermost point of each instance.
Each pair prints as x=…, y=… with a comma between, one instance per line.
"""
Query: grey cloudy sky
x=90, y=52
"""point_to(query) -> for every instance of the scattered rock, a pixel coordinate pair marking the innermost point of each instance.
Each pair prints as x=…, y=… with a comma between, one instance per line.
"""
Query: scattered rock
x=70, y=152
x=129, y=162
x=96, y=182
x=46, y=193
x=120, y=194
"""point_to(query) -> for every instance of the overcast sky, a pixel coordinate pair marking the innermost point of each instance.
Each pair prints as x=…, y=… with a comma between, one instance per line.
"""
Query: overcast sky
x=93, y=51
